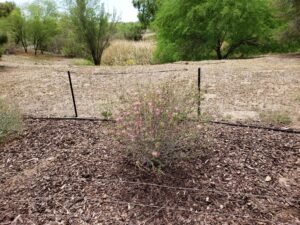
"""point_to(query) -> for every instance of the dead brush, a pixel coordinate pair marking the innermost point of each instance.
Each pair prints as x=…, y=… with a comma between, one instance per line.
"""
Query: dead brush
x=126, y=53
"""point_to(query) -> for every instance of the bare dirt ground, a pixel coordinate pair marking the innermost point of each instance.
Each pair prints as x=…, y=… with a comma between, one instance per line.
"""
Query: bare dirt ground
x=77, y=172
x=74, y=172
x=234, y=90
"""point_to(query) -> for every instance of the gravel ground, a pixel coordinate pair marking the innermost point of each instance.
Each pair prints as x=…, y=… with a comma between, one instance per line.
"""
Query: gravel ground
x=234, y=89
x=75, y=172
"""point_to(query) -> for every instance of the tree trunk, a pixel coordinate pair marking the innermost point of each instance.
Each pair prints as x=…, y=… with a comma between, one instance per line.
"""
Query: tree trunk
x=219, y=53
x=97, y=57
x=36, y=47
x=235, y=46
x=24, y=46
x=96, y=61
x=232, y=48
x=218, y=50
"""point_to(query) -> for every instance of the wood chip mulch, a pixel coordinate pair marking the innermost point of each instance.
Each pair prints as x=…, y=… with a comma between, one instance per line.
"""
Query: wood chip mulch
x=76, y=172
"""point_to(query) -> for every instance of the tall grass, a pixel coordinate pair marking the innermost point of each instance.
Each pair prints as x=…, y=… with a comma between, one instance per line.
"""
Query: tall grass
x=10, y=120
x=122, y=53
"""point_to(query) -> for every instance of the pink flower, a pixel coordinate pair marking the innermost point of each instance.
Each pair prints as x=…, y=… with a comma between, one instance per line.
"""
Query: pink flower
x=139, y=123
x=136, y=107
x=158, y=92
x=157, y=111
x=155, y=154
x=119, y=119
x=126, y=113
x=132, y=137
x=137, y=103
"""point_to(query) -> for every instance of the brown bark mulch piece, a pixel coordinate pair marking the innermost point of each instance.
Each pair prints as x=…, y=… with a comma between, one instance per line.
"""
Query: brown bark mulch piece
x=76, y=172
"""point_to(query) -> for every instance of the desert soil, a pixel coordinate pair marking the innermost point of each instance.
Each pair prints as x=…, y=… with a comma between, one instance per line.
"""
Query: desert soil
x=233, y=90
x=76, y=172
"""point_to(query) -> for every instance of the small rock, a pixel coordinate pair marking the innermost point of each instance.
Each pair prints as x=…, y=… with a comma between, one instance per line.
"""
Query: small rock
x=268, y=179
x=283, y=181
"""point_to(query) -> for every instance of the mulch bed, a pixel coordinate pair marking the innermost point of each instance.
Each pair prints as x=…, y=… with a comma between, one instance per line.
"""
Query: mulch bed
x=76, y=172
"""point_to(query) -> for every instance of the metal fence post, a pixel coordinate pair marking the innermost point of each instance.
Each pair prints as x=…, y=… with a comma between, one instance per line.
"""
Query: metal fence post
x=199, y=91
x=72, y=92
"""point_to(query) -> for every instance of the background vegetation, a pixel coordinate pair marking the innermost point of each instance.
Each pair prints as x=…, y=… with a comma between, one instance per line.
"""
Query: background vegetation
x=185, y=30
x=194, y=30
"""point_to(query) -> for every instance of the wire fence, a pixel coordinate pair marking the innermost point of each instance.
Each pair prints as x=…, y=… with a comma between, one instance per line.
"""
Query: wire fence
x=113, y=103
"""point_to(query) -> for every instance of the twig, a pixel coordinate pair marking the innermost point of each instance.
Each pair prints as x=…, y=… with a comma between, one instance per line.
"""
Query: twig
x=156, y=213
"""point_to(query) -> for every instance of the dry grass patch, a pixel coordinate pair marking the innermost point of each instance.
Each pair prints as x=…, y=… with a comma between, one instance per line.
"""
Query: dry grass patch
x=10, y=120
x=123, y=53
x=276, y=118
x=82, y=62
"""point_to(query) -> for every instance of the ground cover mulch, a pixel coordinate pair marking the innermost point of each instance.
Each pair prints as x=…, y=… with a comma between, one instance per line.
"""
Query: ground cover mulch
x=76, y=172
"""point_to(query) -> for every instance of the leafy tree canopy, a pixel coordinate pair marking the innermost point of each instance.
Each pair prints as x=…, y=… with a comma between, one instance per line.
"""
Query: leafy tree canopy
x=146, y=11
x=18, y=26
x=290, y=11
x=42, y=23
x=94, y=26
x=197, y=29
x=6, y=8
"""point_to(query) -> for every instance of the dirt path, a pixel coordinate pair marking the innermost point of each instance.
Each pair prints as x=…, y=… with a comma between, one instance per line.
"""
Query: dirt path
x=265, y=88
x=71, y=172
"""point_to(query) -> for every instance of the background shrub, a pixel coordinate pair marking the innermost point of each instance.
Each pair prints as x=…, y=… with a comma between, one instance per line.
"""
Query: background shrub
x=10, y=120
x=3, y=40
x=129, y=31
x=134, y=32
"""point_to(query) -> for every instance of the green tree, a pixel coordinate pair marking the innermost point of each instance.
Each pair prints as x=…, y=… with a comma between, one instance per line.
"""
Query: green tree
x=18, y=27
x=5, y=10
x=129, y=31
x=146, y=11
x=193, y=30
x=290, y=12
x=42, y=23
x=67, y=42
x=94, y=26
x=3, y=39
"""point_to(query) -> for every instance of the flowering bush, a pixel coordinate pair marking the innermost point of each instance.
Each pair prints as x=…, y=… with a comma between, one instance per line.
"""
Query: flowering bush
x=156, y=128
